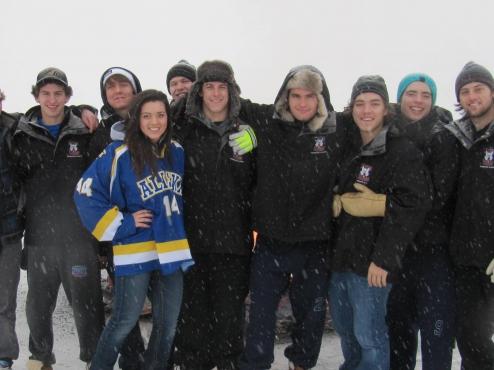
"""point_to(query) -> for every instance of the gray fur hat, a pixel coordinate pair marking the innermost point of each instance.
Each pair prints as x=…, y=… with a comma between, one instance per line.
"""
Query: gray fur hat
x=309, y=78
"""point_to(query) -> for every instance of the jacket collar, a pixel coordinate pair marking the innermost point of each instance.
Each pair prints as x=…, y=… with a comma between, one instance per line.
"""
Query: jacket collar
x=464, y=131
x=377, y=145
x=327, y=127
x=71, y=124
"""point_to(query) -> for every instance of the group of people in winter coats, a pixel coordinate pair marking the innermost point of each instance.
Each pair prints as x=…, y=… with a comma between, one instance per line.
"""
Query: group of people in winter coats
x=383, y=210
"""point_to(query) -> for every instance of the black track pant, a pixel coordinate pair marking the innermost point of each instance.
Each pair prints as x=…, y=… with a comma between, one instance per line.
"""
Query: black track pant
x=75, y=266
x=475, y=320
x=210, y=328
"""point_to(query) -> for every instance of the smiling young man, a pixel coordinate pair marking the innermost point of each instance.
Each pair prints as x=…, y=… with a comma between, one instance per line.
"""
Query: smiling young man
x=296, y=161
x=217, y=192
x=472, y=237
x=118, y=87
x=422, y=298
x=374, y=225
x=179, y=80
x=50, y=152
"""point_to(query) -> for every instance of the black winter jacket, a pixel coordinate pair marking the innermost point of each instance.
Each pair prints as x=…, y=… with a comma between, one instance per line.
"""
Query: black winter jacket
x=217, y=185
x=472, y=237
x=49, y=171
x=441, y=157
x=296, y=170
x=101, y=137
x=10, y=223
x=389, y=165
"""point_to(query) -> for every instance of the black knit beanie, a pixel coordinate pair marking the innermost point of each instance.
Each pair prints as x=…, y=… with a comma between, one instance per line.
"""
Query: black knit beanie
x=371, y=83
x=473, y=72
x=182, y=68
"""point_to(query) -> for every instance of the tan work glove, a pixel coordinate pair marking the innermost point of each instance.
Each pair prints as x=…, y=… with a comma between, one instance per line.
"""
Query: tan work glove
x=336, y=205
x=490, y=270
x=364, y=203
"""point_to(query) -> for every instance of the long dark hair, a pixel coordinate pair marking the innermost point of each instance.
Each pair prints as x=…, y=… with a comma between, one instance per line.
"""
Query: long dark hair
x=142, y=150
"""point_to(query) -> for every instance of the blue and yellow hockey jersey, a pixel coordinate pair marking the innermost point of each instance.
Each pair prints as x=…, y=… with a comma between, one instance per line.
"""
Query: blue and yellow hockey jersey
x=109, y=193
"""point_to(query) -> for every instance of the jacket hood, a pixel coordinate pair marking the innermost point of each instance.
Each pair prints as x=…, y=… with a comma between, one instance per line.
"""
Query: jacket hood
x=421, y=131
x=437, y=114
x=310, y=78
x=106, y=107
x=443, y=115
x=117, y=132
x=464, y=131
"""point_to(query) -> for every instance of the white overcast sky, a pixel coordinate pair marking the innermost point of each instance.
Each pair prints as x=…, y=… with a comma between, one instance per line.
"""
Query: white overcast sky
x=261, y=39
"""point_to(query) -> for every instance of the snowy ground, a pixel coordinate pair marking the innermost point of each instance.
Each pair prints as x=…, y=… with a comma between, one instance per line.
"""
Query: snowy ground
x=66, y=345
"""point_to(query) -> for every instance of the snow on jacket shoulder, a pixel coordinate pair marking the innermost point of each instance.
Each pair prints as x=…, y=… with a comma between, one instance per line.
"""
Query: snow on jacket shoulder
x=110, y=192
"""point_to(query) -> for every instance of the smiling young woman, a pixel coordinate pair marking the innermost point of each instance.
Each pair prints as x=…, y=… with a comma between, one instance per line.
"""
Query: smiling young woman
x=132, y=195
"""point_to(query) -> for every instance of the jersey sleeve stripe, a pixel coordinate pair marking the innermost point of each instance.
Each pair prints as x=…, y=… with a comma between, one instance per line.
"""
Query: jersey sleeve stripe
x=172, y=246
x=108, y=225
x=174, y=256
x=134, y=248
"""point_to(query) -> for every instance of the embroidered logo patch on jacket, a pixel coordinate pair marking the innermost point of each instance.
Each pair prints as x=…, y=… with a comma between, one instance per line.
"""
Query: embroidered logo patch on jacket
x=319, y=144
x=364, y=174
x=74, y=151
x=79, y=271
x=488, y=160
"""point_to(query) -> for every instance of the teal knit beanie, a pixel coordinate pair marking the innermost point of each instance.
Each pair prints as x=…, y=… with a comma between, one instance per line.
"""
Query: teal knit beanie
x=414, y=77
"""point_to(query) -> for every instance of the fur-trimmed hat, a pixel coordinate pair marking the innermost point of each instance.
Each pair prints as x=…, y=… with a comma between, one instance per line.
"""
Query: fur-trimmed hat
x=309, y=78
x=214, y=71
x=473, y=72
x=182, y=68
x=370, y=83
